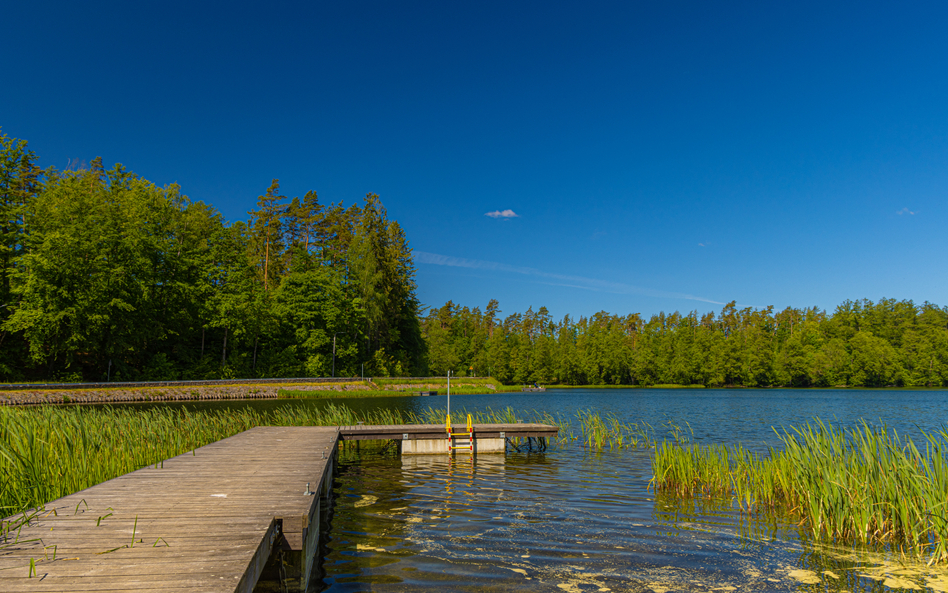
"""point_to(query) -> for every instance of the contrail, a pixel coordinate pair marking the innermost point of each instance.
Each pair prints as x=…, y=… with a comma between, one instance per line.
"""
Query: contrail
x=436, y=259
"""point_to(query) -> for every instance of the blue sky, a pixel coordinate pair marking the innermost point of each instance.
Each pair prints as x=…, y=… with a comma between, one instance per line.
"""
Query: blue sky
x=657, y=156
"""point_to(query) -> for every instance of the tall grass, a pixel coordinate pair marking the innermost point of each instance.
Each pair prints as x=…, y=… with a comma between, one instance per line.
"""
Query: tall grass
x=49, y=452
x=600, y=432
x=863, y=485
x=459, y=386
x=382, y=381
x=331, y=394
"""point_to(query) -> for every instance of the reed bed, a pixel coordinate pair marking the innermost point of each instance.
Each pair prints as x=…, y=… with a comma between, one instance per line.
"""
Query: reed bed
x=598, y=432
x=863, y=485
x=382, y=381
x=49, y=452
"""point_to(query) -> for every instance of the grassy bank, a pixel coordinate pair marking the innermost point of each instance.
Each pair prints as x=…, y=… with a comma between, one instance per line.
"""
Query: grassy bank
x=657, y=386
x=848, y=486
x=173, y=392
x=401, y=386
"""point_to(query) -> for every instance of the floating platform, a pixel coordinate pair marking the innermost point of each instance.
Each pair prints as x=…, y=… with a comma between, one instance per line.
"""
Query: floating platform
x=425, y=439
x=211, y=520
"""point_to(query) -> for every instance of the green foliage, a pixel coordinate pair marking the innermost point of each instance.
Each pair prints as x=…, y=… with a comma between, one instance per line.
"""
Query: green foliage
x=404, y=386
x=855, y=486
x=862, y=344
x=50, y=452
x=19, y=179
x=103, y=275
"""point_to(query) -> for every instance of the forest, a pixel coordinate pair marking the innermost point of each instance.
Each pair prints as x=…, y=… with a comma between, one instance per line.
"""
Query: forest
x=861, y=344
x=105, y=276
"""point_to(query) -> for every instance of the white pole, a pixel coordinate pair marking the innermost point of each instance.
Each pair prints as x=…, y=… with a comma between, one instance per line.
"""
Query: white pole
x=449, y=394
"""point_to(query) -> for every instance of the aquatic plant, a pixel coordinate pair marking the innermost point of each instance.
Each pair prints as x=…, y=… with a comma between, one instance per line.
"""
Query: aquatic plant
x=862, y=485
x=50, y=452
x=597, y=432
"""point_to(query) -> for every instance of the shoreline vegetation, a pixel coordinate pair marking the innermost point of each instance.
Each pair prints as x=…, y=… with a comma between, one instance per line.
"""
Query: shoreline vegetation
x=387, y=387
x=407, y=386
x=384, y=387
x=861, y=486
x=887, y=343
x=48, y=452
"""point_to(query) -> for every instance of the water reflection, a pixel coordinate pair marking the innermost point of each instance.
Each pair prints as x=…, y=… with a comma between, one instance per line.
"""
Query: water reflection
x=566, y=521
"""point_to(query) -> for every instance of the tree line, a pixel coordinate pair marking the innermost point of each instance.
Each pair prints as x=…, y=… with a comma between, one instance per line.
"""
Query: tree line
x=861, y=343
x=104, y=275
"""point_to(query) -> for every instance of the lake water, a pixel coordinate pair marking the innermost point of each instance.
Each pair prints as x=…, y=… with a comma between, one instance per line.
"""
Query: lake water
x=571, y=520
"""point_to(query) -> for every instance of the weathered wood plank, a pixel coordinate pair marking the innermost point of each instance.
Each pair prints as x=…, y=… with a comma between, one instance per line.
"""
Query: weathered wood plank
x=215, y=509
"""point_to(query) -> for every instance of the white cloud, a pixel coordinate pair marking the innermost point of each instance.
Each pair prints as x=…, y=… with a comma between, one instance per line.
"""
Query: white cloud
x=584, y=283
x=905, y=211
x=508, y=213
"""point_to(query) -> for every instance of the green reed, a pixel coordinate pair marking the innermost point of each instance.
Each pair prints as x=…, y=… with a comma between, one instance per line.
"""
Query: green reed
x=863, y=485
x=49, y=452
x=597, y=432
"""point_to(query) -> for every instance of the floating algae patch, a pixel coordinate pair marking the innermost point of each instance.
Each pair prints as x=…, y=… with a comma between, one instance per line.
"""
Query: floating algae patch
x=366, y=500
x=863, y=570
x=807, y=577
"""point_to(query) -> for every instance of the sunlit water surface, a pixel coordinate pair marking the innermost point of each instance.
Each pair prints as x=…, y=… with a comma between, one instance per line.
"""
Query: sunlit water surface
x=572, y=520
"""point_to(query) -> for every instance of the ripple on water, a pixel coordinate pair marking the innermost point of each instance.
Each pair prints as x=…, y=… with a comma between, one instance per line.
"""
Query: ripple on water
x=500, y=524
x=568, y=521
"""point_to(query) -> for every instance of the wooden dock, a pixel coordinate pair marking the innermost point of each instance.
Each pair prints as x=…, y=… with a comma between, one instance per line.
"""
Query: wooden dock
x=208, y=520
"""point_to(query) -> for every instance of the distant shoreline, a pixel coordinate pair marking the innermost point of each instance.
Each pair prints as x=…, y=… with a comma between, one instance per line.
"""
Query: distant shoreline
x=170, y=391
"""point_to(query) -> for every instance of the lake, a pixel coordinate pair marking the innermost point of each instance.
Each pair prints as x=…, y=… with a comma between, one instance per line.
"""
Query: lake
x=571, y=520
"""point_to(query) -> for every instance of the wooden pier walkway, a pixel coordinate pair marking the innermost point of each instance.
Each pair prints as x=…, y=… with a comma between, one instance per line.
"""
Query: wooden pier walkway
x=207, y=520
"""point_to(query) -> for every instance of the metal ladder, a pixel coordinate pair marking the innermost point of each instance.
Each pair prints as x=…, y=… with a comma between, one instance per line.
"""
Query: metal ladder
x=460, y=440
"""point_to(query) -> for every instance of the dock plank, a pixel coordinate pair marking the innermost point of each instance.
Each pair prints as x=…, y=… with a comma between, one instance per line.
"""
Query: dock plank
x=215, y=508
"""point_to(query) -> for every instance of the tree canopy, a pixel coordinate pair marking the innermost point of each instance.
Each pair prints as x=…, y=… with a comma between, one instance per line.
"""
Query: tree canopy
x=862, y=343
x=105, y=275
